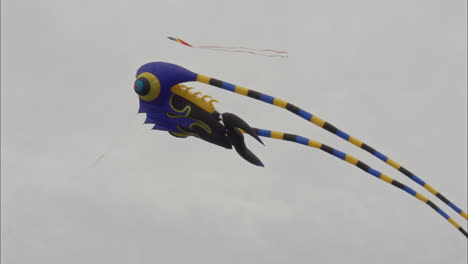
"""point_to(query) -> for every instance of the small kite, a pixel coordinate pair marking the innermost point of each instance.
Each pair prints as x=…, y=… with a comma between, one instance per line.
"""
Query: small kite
x=259, y=52
x=175, y=108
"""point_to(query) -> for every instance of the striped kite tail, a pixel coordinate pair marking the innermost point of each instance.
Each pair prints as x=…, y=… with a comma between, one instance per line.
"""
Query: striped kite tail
x=329, y=127
x=352, y=160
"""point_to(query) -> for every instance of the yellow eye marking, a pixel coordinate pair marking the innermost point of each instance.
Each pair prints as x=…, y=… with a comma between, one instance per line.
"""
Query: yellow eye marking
x=155, y=86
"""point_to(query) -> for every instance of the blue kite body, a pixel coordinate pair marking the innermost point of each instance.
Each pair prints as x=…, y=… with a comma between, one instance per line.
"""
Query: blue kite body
x=171, y=107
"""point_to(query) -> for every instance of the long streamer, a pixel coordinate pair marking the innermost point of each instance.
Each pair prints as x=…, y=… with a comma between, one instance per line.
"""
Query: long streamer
x=259, y=52
x=352, y=160
x=329, y=127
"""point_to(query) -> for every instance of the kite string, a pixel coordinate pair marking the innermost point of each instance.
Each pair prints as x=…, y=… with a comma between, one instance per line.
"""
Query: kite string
x=330, y=128
x=119, y=141
x=352, y=160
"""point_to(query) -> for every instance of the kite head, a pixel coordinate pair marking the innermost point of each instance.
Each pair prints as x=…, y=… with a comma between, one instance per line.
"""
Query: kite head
x=155, y=79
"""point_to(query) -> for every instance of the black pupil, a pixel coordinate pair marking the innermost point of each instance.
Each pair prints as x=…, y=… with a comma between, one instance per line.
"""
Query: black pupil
x=142, y=86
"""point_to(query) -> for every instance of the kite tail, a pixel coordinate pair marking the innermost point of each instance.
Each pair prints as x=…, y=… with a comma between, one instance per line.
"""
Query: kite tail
x=329, y=127
x=352, y=160
x=249, y=51
x=259, y=52
x=242, y=48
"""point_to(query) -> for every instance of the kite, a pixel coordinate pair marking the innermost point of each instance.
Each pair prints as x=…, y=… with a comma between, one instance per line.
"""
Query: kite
x=259, y=52
x=173, y=107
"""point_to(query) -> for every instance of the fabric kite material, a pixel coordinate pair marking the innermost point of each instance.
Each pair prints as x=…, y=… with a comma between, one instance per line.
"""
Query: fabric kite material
x=173, y=107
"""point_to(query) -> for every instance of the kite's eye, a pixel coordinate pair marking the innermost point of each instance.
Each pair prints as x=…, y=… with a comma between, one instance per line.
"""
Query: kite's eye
x=142, y=86
x=147, y=86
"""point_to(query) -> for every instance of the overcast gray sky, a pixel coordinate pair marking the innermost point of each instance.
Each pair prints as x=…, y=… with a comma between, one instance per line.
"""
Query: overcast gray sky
x=391, y=73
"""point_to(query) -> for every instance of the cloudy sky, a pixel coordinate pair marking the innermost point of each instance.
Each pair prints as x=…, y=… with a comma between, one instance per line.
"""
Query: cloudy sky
x=391, y=73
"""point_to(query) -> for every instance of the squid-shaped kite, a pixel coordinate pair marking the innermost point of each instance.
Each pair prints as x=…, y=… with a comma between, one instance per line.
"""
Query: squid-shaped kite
x=173, y=107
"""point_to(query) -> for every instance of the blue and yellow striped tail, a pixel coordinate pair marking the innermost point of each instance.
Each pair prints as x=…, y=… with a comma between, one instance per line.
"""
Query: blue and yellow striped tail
x=329, y=127
x=352, y=160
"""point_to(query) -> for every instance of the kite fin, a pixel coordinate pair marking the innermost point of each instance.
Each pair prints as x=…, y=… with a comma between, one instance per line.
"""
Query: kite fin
x=232, y=121
x=234, y=125
x=237, y=140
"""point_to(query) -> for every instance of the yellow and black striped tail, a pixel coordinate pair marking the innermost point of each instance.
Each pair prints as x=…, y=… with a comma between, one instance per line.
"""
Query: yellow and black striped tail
x=329, y=127
x=352, y=160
